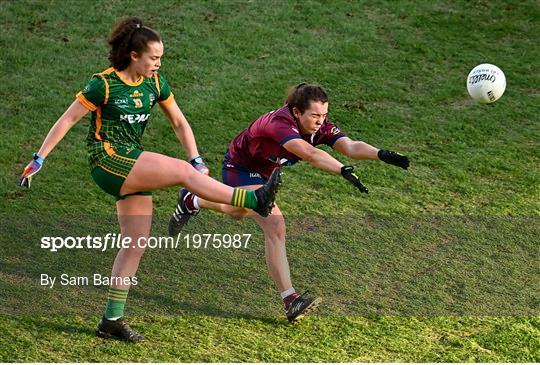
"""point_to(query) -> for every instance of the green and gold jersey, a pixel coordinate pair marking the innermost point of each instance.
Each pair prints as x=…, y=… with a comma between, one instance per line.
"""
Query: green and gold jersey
x=120, y=110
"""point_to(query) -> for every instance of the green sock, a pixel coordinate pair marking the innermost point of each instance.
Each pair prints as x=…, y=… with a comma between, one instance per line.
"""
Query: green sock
x=116, y=300
x=244, y=198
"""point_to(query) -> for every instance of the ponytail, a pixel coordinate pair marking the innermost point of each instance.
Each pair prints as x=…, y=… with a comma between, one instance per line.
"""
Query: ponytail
x=301, y=95
x=128, y=35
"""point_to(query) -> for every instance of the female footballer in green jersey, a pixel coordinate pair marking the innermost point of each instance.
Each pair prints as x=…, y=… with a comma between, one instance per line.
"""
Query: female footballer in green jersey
x=120, y=99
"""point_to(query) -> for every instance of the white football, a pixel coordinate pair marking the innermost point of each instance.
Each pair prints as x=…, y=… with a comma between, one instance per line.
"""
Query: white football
x=486, y=83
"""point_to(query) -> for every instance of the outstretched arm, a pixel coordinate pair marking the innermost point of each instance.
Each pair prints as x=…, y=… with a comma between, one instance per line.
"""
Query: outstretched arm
x=314, y=156
x=324, y=161
x=185, y=135
x=73, y=114
x=359, y=150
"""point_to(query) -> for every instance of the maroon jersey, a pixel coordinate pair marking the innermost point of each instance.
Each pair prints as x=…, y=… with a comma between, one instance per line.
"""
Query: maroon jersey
x=259, y=147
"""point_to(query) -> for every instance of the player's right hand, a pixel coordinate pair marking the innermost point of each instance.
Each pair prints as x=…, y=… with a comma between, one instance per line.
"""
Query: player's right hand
x=348, y=173
x=30, y=170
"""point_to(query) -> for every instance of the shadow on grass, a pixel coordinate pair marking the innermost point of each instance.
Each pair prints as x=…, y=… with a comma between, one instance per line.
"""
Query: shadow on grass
x=86, y=326
x=207, y=309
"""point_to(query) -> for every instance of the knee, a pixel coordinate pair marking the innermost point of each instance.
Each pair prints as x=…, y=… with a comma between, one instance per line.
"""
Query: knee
x=135, y=252
x=274, y=229
x=183, y=170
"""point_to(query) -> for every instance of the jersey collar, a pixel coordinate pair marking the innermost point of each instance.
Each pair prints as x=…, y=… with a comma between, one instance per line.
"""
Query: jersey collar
x=136, y=83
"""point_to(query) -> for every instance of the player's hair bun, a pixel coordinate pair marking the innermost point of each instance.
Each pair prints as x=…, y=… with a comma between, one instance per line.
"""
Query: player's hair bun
x=129, y=34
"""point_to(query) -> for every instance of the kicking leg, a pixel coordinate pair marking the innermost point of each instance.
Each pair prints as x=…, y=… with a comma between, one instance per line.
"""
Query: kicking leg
x=154, y=171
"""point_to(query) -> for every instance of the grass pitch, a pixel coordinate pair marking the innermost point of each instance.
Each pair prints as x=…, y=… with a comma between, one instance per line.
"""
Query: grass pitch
x=439, y=263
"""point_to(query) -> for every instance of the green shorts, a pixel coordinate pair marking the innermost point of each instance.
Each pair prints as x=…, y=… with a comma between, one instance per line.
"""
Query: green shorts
x=111, y=170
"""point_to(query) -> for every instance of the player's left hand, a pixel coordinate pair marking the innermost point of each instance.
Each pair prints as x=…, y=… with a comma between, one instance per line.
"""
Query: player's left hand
x=394, y=158
x=30, y=170
x=199, y=165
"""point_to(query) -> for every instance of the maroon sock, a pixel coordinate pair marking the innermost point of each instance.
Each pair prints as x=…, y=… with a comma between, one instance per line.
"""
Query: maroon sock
x=188, y=201
x=289, y=299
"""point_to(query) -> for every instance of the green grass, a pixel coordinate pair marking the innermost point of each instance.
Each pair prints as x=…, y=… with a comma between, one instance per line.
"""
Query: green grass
x=211, y=339
x=439, y=263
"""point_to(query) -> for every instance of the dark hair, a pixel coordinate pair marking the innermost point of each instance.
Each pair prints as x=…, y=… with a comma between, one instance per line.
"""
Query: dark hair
x=129, y=34
x=302, y=94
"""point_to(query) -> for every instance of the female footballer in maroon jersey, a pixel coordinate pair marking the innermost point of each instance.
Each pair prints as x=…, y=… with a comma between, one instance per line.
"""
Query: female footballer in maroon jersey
x=284, y=137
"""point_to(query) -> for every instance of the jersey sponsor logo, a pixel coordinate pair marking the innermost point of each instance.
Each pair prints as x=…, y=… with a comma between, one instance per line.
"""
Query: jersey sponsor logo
x=335, y=130
x=152, y=98
x=254, y=174
x=87, y=89
x=134, y=118
x=136, y=94
x=120, y=101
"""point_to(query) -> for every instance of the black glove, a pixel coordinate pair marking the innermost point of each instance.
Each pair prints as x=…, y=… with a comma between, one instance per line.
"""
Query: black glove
x=348, y=173
x=394, y=158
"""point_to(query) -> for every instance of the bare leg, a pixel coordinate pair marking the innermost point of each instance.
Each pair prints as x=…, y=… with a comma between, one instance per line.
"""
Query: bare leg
x=135, y=218
x=273, y=227
x=277, y=263
x=154, y=171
